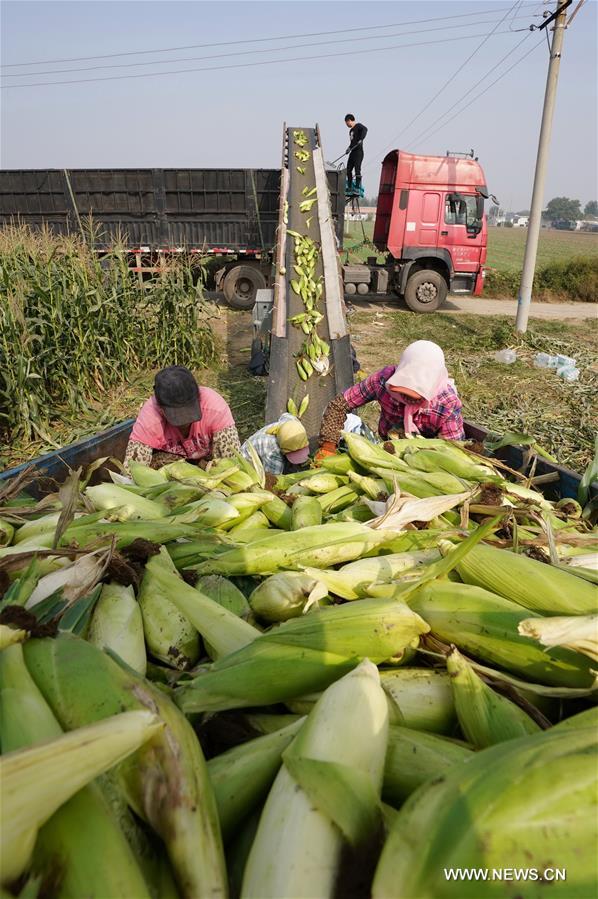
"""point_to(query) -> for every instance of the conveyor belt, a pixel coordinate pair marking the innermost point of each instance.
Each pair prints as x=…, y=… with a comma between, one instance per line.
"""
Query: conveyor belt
x=287, y=340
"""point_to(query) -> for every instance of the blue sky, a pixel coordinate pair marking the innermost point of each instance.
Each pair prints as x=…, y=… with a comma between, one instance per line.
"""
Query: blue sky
x=234, y=116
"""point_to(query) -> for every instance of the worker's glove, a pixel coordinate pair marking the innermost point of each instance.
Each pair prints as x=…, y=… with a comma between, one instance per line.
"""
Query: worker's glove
x=328, y=448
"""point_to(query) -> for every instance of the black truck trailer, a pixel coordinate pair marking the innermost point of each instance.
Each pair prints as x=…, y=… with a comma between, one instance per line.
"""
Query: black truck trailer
x=228, y=214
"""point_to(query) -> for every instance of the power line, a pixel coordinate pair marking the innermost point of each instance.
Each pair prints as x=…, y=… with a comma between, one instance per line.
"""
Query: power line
x=256, y=40
x=165, y=62
x=247, y=65
x=470, y=91
x=449, y=80
x=486, y=89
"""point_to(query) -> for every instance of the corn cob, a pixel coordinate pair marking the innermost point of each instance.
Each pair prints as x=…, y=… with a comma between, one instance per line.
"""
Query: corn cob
x=414, y=757
x=578, y=633
x=452, y=460
x=221, y=628
x=485, y=625
x=521, y=784
x=588, y=718
x=306, y=512
x=7, y=532
x=318, y=547
x=117, y=624
x=166, y=781
x=169, y=634
x=144, y=476
x=257, y=521
x=485, y=716
x=303, y=655
x=341, y=463
x=124, y=533
x=343, y=742
x=35, y=782
x=242, y=776
x=353, y=581
x=124, y=504
x=263, y=723
x=287, y=594
x=534, y=585
x=77, y=852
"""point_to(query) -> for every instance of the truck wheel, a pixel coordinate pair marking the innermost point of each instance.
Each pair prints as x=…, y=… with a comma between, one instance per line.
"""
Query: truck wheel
x=241, y=285
x=362, y=289
x=350, y=289
x=426, y=291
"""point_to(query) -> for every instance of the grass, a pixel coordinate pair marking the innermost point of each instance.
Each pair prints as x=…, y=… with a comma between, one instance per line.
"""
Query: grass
x=505, y=254
x=519, y=397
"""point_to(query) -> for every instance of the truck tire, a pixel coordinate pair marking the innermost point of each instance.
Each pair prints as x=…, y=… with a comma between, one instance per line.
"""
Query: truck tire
x=426, y=291
x=350, y=289
x=363, y=288
x=241, y=285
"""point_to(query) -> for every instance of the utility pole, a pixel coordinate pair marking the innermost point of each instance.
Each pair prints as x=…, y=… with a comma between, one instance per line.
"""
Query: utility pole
x=535, y=218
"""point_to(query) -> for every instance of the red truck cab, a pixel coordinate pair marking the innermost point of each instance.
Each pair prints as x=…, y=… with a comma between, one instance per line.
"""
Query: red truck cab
x=430, y=220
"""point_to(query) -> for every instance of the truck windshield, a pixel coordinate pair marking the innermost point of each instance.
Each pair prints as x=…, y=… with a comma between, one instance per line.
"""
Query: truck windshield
x=463, y=209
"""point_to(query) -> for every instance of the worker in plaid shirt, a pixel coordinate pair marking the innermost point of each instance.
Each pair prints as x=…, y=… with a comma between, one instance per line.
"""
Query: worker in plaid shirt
x=416, y=397
x=282, y=446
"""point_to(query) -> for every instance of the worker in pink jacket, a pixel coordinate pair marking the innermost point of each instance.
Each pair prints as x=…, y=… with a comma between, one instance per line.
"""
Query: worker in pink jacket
x=182, y=421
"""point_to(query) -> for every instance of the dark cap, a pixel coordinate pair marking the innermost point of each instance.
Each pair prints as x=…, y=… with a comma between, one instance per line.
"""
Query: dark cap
x=177, y=394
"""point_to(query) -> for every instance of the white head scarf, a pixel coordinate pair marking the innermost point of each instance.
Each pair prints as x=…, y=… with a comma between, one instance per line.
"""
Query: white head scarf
x=421, y=368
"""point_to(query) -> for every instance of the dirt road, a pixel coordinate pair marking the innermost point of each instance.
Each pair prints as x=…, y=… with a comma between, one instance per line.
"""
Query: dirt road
x=482, y=306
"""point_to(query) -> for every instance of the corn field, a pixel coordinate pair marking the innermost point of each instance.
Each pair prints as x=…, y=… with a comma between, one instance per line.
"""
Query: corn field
x=74, y=324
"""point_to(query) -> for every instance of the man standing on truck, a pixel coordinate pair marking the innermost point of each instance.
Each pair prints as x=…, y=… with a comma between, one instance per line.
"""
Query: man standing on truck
x=357, y=133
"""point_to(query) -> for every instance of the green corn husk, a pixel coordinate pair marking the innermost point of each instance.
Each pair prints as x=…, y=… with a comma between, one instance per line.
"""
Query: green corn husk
x=223, y=630
x=287, y=594
x=74, y=580
x=237, y=853
x=576, y=632
x=37, y=528
x=125, y=532
x=37, y=781
x=257, y=521
x=587, y=718
x=534, y=585
x=242, y=776
x=246, y=504
x=278, y=513
x=7, y=532
x=418, y=698
x=169, y=634
x=252, y=535
x=337, y=500
x=306, y=512
x=374, y=488
x=225, y=593
x=212, y=511
x=353, y=580
x=358, y=512
x=144, y=476
x=125, y=505
x=318, y=547
x=327, y=791
x=517, y=806
x=454, y=461
x=303, y=655
x=414, y=757
x=192, y=552
x=485, y=716
x=422, y=484
x=263, y=723
x=117, y=624
x=22, y=587
x=371, y=456
x=485, y=625
x=166, y=782
x=341, y=463
x=323, y=482
x=77, y=852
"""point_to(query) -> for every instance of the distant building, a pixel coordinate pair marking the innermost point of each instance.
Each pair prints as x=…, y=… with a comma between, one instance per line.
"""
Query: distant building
x=521, y=221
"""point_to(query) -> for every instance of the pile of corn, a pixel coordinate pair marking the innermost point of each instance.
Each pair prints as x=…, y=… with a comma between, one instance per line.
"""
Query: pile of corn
x=379, y=672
